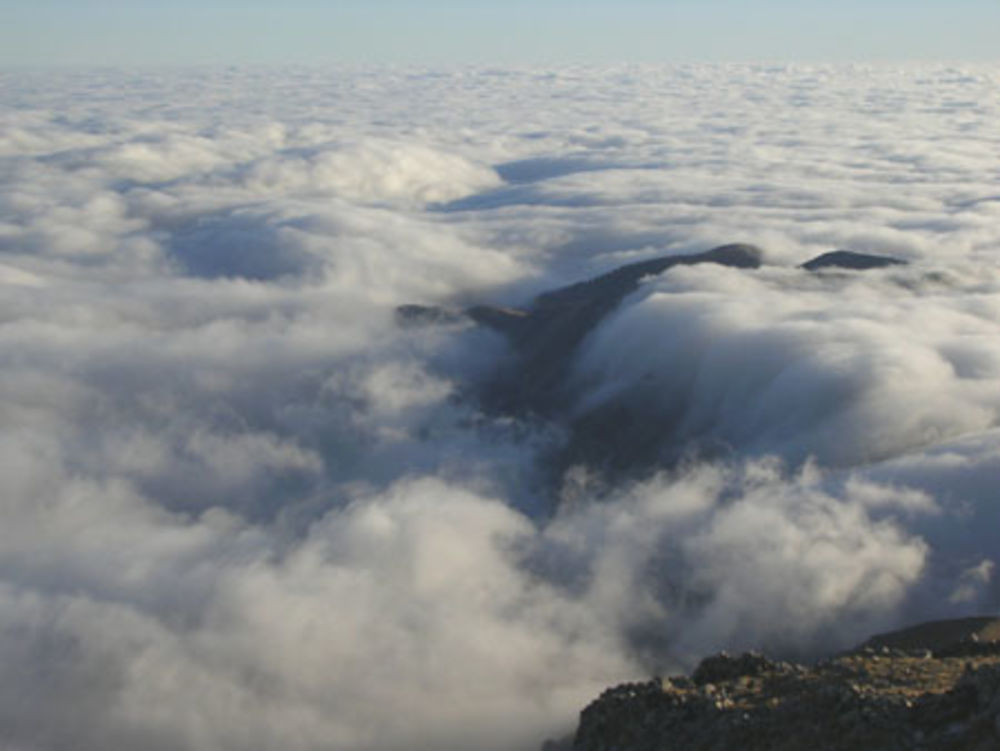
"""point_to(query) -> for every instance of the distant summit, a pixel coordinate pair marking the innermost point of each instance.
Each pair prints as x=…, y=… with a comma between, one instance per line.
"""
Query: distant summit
x=848, y=259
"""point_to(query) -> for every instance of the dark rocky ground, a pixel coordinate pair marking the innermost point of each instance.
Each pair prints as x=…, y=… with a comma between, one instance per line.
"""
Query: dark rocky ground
x=935, y=686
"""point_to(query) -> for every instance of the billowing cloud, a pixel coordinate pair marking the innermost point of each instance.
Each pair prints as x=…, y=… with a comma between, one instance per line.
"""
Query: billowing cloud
x=242, y=508
x=846, y=368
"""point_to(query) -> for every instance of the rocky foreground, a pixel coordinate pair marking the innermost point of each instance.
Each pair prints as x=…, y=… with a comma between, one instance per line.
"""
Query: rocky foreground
x=935, y=686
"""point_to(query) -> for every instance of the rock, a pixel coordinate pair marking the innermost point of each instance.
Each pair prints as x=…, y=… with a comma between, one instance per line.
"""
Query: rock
x=847, y=259
x=864, y=699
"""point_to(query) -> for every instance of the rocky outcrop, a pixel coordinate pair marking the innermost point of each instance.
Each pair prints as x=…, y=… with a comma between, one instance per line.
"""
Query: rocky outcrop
x=938, y=693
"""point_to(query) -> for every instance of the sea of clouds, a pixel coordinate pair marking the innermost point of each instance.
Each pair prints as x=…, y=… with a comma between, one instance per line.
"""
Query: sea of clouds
x=242, y=508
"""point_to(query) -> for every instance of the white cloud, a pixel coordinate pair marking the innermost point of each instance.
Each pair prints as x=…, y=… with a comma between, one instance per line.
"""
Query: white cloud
x=372, y=172
x=846, y=368
x=242, y=509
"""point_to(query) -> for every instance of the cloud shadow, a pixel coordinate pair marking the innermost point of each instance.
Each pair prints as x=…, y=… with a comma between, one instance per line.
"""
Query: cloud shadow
x=235, y=244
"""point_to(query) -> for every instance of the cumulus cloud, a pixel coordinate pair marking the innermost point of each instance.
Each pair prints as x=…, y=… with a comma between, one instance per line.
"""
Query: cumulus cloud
x=243, y=509
x=371, y=172
x=378, y=630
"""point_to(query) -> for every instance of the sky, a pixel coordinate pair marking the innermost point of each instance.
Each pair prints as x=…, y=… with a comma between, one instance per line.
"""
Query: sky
x=184, y=32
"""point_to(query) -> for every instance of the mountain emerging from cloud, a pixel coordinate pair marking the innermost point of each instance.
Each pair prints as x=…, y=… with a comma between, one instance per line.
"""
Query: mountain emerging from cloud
x=244, y=508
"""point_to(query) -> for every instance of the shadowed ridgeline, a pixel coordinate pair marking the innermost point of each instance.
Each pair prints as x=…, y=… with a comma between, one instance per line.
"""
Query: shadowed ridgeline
x=546, y=335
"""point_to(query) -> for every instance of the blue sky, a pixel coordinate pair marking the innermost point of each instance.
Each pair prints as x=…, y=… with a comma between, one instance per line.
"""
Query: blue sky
x=102, y=32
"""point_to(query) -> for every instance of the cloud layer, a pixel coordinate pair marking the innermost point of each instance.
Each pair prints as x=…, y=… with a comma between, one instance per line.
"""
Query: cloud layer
x=243, y=509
